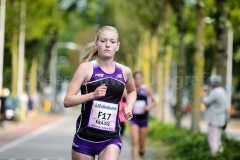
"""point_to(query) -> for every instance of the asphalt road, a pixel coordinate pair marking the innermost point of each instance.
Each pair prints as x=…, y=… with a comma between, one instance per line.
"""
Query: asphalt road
x=50, y=138
x=50, y=141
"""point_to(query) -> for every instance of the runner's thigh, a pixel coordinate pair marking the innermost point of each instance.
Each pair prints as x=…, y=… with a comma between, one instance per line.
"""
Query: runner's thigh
x=111, y=152
x=80, y=156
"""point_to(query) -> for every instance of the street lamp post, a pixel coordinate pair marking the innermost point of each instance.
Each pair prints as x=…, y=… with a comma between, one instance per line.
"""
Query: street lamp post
x=229, y=63
x=53, y=63
x=2, y=33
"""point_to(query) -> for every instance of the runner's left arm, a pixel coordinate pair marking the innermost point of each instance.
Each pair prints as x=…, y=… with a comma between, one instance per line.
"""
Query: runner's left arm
x=131, y=92
x=153, y=100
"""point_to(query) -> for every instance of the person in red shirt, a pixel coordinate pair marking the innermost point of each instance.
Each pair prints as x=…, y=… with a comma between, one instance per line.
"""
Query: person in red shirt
x=122, y=119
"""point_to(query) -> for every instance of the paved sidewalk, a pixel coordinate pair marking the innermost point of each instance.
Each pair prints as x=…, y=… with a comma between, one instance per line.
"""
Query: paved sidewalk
x=232, y=130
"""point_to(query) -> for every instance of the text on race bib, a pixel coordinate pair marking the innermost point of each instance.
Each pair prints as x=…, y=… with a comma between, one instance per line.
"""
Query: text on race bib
x=103, y=116
x=138, y=107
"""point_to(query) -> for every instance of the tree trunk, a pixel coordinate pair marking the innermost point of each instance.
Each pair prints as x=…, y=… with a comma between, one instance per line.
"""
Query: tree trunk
x=33, y=77
x=160, y=82
x=14, y=51
x=138, y=64
x=44, y=71
x=198, y=67
x=146, y=58
x=167, y=67
x=181, y=64
x=221, y=44
x=154, y=61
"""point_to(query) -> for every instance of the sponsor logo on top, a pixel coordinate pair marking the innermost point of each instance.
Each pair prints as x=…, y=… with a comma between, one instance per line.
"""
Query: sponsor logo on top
x=103, y=106
x=99, y=75
x=119, y=75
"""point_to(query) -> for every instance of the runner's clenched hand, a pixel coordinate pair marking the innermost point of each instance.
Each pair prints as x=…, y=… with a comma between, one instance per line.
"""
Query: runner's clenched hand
x=100, y=91
x=128, y=113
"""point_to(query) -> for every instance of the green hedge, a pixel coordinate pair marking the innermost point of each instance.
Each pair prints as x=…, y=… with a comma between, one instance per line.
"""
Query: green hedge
x=166, y=133
x=187, y=146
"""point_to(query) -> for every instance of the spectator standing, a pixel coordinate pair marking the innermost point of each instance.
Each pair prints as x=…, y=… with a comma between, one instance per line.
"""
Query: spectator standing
x=215, y=113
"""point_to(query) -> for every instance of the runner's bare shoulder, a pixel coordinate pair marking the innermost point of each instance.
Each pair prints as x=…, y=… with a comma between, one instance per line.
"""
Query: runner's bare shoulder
x=126, y=71
x=85, y=71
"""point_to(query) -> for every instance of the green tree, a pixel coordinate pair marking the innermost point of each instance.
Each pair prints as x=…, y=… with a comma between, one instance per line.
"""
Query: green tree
x=11, y=42
x=40, y=31
x=199, y=64
x=221, y=37
x=181, y=67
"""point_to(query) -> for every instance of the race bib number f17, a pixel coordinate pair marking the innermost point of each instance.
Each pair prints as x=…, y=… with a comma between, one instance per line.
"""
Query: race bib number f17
x=103, y=116
x=138, y=107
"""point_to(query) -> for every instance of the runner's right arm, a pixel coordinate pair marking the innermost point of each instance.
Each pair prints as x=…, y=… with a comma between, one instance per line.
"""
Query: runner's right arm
x=131, y=92
x=81, y=76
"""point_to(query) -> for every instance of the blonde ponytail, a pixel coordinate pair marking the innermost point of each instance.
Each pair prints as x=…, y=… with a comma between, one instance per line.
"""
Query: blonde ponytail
x=89, y=51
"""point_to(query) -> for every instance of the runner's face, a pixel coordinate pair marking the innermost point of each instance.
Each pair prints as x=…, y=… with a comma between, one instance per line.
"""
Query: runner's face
x=138, y=79
x=107, y=44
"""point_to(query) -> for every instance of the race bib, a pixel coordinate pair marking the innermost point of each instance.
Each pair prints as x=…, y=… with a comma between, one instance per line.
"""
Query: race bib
x=138, y=107
x=103, y=116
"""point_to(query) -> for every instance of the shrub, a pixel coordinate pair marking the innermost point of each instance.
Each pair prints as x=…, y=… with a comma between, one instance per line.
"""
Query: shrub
x=187, y=146
x=165, y=132
x=191, y=147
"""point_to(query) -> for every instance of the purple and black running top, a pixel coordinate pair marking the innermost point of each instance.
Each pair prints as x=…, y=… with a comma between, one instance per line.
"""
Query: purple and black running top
x=138, y=109
x=99, y=119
